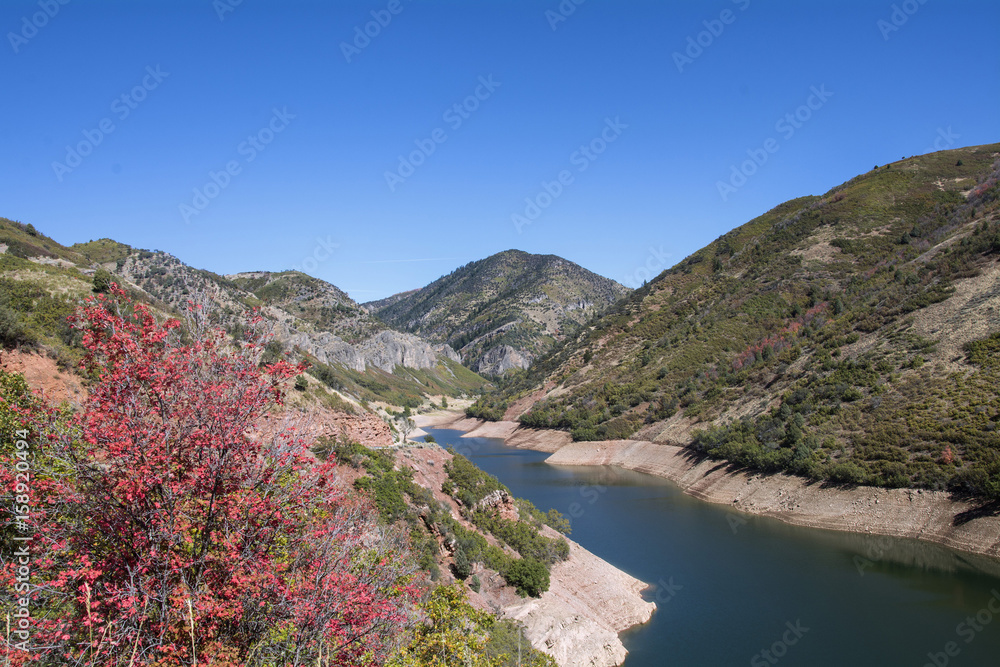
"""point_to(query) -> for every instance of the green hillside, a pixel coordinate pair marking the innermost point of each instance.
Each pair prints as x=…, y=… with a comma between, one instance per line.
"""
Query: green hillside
x=851, y=337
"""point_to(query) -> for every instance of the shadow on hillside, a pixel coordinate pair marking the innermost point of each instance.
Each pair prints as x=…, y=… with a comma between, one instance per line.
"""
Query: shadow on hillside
x=991, y=508
x=696, y=457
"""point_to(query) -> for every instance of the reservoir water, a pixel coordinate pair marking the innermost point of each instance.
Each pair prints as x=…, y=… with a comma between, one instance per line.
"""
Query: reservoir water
x=734, y=589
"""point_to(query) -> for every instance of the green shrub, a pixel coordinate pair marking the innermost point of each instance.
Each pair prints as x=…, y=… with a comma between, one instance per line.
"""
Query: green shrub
x=462, y=568
x=102, y=281
x=529, y=577
x=848, y=472
x=12, y=329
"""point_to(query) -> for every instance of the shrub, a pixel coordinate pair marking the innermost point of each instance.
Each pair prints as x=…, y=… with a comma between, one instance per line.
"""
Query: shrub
x=12, y=329
x=102, y=281
x=848, y=472
x=166, y=514
x=530, y=577
x=463, y=568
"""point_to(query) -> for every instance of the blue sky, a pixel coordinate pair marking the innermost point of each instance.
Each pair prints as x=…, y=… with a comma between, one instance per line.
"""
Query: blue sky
x=259, y=134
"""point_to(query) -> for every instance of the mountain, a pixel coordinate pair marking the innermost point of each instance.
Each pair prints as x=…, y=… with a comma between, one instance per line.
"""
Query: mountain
x=350, y=350
x=375, y=306
x=325, y=306
x=851, y=337
x=503, y=311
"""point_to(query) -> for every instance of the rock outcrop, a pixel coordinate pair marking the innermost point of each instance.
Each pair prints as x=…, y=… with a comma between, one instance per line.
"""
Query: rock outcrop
x=392, y=348
x=385, y=350
x=499, y=360
x=500, y=502
x=365, y=428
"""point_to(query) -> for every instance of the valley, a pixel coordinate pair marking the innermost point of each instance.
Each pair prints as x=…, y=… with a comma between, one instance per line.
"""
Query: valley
x=830, y=365
x=499, y=334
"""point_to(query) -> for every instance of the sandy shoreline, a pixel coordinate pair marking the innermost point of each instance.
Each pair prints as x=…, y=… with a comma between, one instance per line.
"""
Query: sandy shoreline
x=925, y=515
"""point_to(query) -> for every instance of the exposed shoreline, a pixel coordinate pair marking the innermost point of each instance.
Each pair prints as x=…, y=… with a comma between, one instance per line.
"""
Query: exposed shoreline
x=932, y=516
x=588, y=603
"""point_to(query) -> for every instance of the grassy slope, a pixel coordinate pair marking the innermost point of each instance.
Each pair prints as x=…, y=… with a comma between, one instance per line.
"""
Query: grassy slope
x=801, y=340
x=511, y=298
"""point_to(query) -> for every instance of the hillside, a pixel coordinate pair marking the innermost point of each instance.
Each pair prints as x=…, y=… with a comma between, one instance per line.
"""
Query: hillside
x=851, y=337
x=42, y=281
x=381, y=304
x=503, y=311
x=325, y=306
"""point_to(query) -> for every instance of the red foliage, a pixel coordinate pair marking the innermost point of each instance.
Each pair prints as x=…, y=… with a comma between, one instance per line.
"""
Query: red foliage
x=167, y=534
x=948, y=457
x=777, y=341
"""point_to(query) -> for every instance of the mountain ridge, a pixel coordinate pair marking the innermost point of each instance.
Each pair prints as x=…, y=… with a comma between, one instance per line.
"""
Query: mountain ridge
x=349, y=349
x=502, y=311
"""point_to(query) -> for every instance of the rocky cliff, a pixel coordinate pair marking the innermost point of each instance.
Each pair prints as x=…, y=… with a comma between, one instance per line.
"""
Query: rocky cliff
x=384, y=351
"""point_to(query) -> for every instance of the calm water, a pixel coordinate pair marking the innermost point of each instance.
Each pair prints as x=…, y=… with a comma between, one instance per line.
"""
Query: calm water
x=731, y=586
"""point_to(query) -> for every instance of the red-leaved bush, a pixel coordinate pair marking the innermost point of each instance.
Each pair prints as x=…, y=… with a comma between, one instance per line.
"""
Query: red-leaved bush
x=168, y=531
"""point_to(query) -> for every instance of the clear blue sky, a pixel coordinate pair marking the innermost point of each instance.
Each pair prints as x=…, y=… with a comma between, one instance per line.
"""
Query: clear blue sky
x=888, y=93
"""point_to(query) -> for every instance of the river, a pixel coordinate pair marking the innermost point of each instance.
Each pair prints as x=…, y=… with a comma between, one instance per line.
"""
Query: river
x=736, y=589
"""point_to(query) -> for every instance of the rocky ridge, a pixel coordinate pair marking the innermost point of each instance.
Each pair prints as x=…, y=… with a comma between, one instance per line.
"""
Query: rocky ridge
x=304, y=313
x=503, y=311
